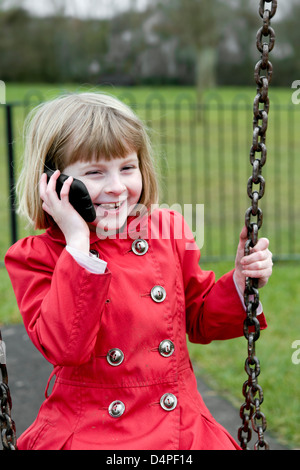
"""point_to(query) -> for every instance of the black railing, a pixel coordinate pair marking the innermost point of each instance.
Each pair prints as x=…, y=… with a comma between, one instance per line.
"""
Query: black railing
x=11, y=172
x=203, y=159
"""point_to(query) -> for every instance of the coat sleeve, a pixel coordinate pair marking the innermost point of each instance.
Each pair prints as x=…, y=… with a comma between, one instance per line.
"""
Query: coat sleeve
x=61, y=303
x=214, y=310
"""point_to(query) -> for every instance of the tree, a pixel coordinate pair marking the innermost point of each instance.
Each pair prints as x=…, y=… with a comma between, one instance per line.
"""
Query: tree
x=195, y=24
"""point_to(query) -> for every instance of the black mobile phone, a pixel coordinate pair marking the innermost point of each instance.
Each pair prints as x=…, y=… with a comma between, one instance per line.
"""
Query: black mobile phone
x=78, y=196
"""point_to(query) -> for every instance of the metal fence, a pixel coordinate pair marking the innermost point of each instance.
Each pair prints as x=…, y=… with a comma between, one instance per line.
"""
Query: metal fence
x=202, y=154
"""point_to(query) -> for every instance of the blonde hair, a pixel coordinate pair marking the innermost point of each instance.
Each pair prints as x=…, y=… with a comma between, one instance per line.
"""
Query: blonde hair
x=80, y=127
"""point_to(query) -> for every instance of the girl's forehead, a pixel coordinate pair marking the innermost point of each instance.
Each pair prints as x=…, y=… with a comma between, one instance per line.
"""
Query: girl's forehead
x=88, y=152
x=98, y=160
x=103, y=160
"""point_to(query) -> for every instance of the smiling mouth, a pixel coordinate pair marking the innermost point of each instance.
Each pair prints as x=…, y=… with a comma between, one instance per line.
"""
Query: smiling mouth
x=112, y=206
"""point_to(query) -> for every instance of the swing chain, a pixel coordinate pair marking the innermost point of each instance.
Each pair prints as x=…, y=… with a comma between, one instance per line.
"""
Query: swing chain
x=7, y=425
x=250, y=411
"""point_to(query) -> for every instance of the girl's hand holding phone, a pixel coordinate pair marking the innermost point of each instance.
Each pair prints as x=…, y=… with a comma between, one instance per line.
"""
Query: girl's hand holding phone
x=73, y=226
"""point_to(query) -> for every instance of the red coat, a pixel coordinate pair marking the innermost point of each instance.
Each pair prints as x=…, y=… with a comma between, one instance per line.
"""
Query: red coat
x=83, y=322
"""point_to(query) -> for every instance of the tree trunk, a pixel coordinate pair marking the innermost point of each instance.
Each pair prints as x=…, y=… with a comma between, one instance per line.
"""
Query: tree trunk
x=205, y=70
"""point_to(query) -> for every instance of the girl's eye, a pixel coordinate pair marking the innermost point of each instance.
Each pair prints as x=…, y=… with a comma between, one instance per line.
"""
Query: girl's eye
x=129, y=167
x=96, y=172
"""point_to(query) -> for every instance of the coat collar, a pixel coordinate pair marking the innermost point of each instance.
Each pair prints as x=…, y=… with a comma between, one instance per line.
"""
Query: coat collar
x=136, y=227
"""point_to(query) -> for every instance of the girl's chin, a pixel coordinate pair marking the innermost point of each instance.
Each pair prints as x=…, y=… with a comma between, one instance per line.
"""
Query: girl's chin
x=105, y=227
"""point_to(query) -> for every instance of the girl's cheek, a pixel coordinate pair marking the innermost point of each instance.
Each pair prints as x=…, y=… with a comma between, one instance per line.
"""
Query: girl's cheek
x=92, y=188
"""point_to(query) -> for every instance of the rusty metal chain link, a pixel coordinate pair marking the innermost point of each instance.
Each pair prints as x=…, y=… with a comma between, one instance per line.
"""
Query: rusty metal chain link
x=7, y=425
x=250, y=411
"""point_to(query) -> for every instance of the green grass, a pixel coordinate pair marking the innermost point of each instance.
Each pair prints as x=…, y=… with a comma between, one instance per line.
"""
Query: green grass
x=225, y=201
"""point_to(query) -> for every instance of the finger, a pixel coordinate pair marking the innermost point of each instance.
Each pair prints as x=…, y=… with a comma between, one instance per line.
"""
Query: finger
x=46, y=208
x=43, y=185
x=48, y=192
x=262, y=244
x=242, y=242
x=52, y=181
x=244, y=234
x=259, y=265
x=259, y=252
x=262, y=274
x=256, y=257
x=64, y=193
x=243, y=237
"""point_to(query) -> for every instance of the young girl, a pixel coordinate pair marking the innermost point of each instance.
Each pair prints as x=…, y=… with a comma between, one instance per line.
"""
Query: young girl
x=109, y=302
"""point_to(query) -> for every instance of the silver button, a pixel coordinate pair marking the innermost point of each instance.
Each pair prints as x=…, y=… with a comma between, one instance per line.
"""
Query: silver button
x=116, y=409
x=158, y=294
x=115, y=357
x=139, y=247
x=168, y=401
x=166, y=348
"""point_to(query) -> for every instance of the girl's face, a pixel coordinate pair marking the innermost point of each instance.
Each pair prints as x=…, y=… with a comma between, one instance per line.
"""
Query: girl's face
x=115, y=187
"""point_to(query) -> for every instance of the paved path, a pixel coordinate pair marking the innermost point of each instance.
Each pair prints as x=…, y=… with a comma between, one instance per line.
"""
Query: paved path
x=28, y=373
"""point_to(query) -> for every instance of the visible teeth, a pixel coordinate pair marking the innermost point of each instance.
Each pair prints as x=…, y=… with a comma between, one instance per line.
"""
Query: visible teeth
x=115, y=205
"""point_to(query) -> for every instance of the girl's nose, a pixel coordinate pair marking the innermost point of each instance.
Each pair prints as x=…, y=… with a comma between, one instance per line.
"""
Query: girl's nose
x=114, y=185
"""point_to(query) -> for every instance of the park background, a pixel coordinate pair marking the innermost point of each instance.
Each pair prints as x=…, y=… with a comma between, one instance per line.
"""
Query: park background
x=186, y=67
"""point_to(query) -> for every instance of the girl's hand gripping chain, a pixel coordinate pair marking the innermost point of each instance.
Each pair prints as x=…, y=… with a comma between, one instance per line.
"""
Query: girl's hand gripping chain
x=257, y=265
x=73, y=226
